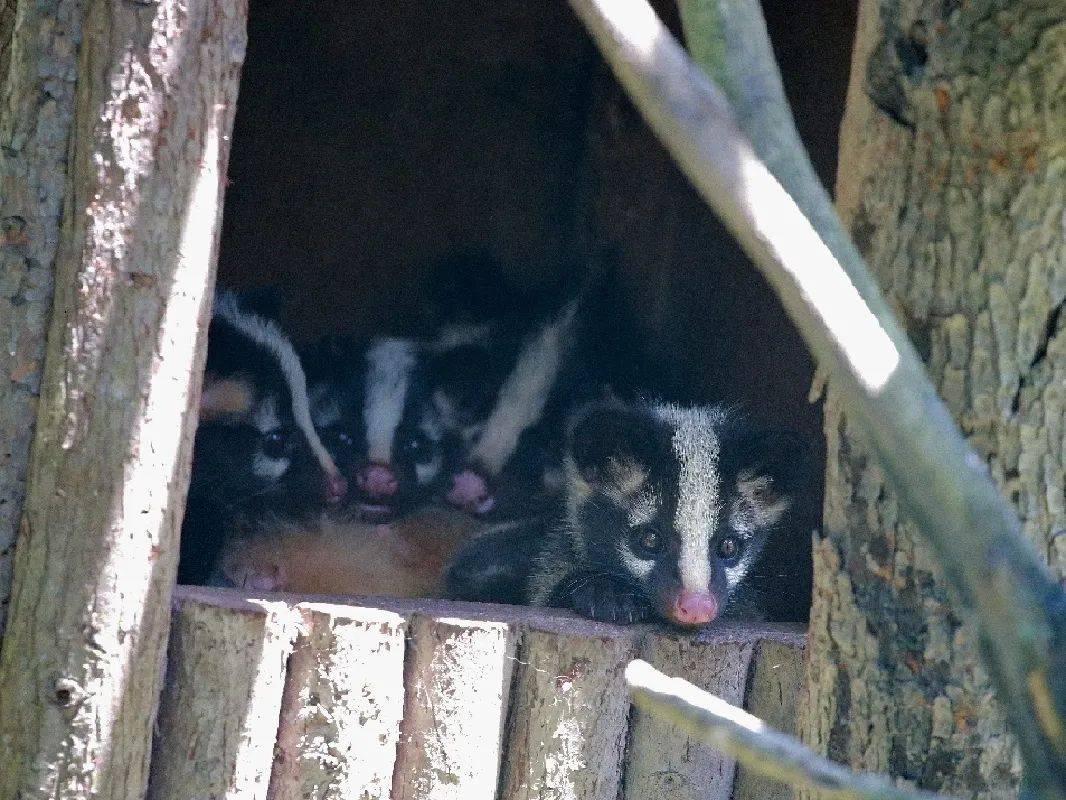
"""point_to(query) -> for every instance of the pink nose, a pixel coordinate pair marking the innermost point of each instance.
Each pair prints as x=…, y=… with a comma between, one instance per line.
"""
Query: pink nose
x=377, y=481
x=694, y=608
x=470, y=493
x=336, y=488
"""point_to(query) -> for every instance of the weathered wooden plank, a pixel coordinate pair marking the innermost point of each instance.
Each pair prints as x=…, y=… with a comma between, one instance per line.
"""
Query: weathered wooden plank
x=218, y=717
x=345, y=710
x=134, y=269
x=773, y=696
x=344, y=698
x=664, y=761
x=458, y=679
x=567, y=732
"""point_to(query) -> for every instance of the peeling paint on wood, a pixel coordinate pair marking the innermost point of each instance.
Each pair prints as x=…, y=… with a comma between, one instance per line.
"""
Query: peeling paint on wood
x=458, y=684
x=566, y=737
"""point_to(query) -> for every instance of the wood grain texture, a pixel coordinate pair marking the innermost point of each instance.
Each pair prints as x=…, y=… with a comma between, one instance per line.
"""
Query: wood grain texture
x=81, y=666
x=566, y=735
x=775, y=684
x=218, y=717
x=39, y=68
x=435, y=678
x=344, y=697
x=665, y=761
x=458, y=682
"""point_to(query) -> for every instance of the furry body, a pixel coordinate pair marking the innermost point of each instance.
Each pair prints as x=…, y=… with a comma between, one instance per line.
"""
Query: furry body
x=371, y=405
x=256, y=449
x=338, y=554
x=666, y=510
x=502, y=381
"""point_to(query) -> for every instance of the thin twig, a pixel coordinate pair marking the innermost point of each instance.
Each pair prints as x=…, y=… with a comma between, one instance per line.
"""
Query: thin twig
x=829, y=293
x=737, y=733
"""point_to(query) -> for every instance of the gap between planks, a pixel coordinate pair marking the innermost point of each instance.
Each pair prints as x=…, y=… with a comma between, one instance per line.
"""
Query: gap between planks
x=279, y=697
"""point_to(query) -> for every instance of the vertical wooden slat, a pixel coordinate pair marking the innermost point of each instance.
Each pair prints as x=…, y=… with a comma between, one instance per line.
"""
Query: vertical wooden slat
x=773, y=696
x=665, y=761
x=218, y=718
x=343, y=704
x=134, y=269
x=458, y=678
x=567, y=731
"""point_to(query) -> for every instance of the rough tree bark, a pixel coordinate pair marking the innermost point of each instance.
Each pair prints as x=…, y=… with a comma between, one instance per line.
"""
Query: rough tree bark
x=952, y=184
x=95, y=562
x=38, y=67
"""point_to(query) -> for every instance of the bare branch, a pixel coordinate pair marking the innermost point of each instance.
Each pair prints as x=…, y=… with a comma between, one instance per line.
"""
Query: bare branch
x=736, y=732
x=829, y=293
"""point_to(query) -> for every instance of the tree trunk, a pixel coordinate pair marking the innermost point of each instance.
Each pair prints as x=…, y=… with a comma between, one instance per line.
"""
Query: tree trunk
x=952, y=184
x=38, y=65
x=95, y=563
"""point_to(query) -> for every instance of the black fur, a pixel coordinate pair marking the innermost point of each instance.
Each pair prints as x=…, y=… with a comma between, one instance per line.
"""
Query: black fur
x=338, y=373
x=467, y=378
x=627, y=468
x=224, y=485
x=497, y=565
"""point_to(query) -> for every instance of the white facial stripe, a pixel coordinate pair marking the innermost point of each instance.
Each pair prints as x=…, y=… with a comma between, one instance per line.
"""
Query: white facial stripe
x=470, y=433
x=643, y=508
x=742, y=517
x=752, y=505
x=271, y=468
x=641, y=567
x=268, y=336
x=445, y=409
x=427, y=473
x=430, y=426
x=578, y=491
x=735, y=574
x=696, y=447
x=625, y=480
x=524, y=394
x=265, y=417
x=391, y=362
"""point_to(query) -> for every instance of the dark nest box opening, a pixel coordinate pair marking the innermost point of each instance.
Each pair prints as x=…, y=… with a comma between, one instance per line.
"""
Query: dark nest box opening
x=373, y=139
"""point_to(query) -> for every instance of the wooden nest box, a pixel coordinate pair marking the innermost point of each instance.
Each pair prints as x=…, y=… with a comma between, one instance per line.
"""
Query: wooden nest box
x=429, y=699
x=371, y=138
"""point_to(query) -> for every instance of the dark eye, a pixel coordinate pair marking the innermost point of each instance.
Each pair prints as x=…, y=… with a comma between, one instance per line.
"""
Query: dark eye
x=647, y=541
x=338, y=439
x=275, y=444
x=729, y=548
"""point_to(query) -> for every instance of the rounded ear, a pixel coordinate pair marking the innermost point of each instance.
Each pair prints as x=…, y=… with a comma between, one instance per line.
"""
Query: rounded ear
x=783, y=455
x=605, y=434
